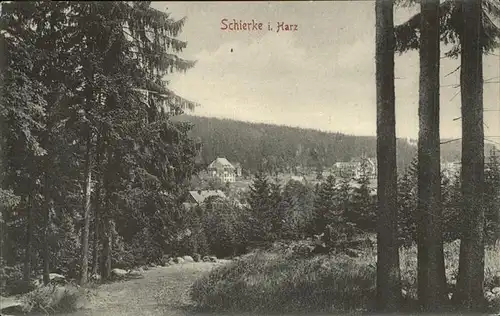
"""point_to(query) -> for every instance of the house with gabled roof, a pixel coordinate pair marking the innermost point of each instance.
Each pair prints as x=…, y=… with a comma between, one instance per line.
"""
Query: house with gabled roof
x=223, y=170
x=357, y=167
x=201, y=197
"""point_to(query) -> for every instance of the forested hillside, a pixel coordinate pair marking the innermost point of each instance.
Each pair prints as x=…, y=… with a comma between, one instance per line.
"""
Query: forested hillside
x=283, y=147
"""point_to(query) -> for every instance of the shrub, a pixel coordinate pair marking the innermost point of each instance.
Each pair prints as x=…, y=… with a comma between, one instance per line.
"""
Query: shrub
x=215, y=229
x=12, y=282
x=287, y=278
x=492, y=266
x=273, y=282
x=51, y=299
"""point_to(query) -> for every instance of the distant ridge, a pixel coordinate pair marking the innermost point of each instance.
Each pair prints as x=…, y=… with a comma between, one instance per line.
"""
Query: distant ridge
x=284, y=147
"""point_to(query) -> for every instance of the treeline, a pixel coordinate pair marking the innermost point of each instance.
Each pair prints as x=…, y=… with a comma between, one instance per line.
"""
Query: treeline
x=337, y=211
x=93, y=170
x=282, y=148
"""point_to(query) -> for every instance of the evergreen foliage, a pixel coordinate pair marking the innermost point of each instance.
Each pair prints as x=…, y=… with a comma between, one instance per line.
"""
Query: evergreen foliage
x=286, y=148
x=87, y=136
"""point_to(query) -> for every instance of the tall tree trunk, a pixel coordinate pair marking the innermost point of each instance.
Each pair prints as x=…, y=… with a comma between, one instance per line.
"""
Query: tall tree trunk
x=388, y=272
x=29, y=237
x=97, y=233
x=52, y=99
x=46, y=223
x=431, y=271
x=97, y=205
x=86, y=212
x=106, y=220
x=470, y=279
x=107, y=247
x=5, y=250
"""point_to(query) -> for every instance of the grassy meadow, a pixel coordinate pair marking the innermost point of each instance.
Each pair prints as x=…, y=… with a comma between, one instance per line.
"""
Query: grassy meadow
x=280, y=281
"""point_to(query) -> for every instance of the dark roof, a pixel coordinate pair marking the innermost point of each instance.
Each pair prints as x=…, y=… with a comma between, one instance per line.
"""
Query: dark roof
x=201, y=195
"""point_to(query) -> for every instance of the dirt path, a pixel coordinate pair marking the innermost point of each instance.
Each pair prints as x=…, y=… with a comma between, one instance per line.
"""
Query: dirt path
x=160, y=291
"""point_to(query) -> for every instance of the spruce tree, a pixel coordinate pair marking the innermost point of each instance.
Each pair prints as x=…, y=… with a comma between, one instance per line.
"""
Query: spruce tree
x=260, y=202
x=407, y=201
x=362, y=210
x=388, y=271
x=297, y=205
x=277, y=211
x=431, y=270
x=470, y=291
x=325, y=205
x=344, y=194
x=84, y=70
x=452, y=208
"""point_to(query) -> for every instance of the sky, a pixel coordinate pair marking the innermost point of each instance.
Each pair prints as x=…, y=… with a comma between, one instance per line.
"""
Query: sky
x=320, y=76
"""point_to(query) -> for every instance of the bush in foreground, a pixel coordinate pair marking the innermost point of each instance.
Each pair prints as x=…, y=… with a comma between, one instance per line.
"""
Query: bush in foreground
x=278, y=281
x=52, y=299
x=270, y=282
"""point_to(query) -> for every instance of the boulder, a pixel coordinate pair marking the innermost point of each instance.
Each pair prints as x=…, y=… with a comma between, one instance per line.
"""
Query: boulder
x=54, y=278
x=496, y=290
x=171, y=261
x=95, y=277
x=490, y=297
x=56, y=295
x=206, y=259
x=179, y=260
x=197, y=257
x=212, y=259
x=120, y=273
x=188, y=259
x=135, y=273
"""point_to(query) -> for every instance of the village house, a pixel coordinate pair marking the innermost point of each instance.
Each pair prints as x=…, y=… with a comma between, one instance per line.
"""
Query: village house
x=356, y=167
x=346, y=168
x=200, y=197
x=237, y=167
x=223, y=170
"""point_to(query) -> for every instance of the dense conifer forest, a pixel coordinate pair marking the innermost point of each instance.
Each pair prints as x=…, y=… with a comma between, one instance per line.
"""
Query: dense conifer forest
x=284, y=147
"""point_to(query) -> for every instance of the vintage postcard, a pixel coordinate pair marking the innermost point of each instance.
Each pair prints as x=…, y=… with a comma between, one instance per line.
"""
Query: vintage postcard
x=250, y=158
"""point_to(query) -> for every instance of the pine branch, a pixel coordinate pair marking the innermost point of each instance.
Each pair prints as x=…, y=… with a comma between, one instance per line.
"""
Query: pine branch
x=407, y=34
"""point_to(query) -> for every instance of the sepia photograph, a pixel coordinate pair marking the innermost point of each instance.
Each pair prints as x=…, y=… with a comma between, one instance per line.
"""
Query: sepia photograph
x=250, y=158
